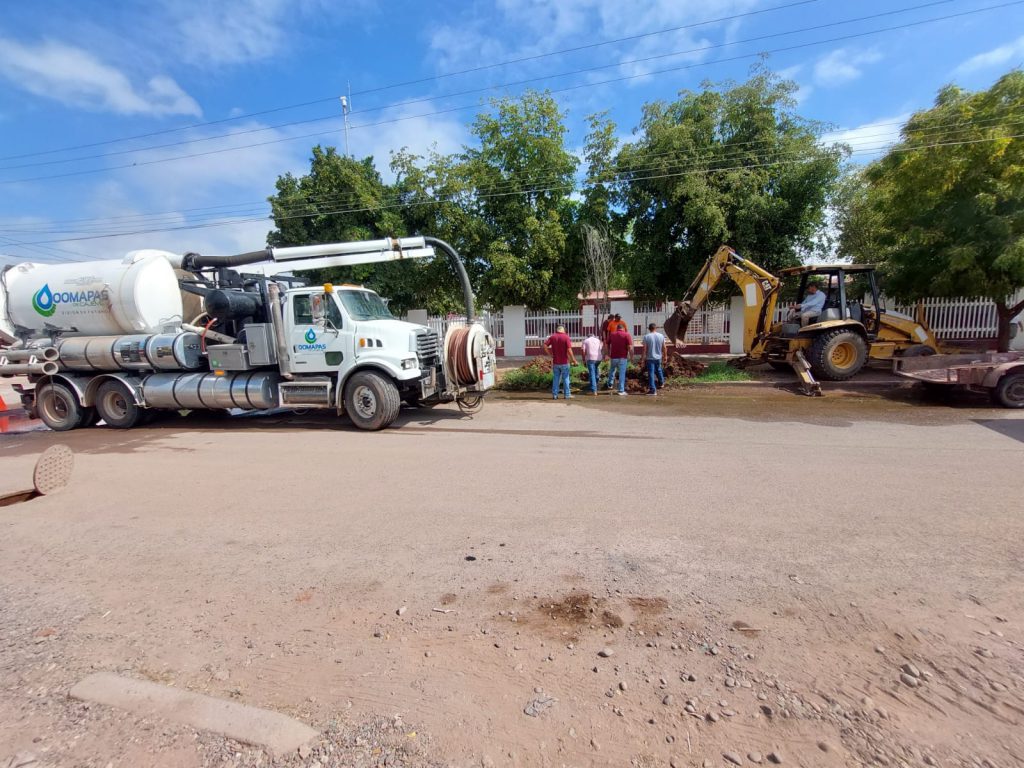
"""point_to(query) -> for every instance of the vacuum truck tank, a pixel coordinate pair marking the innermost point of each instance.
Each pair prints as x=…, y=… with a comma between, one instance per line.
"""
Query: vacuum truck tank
x=137, y=294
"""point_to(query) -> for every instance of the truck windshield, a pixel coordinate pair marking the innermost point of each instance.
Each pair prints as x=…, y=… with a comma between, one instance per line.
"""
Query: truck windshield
x=363, y=305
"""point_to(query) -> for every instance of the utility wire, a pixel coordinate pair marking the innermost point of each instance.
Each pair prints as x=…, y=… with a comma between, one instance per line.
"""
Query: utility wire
x=551, y=188
x=949, y=130
x=484, y=89
x=431, y=78
x=557, y=90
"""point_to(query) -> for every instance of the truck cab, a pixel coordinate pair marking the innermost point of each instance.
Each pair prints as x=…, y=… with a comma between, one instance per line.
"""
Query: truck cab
x=333, y=332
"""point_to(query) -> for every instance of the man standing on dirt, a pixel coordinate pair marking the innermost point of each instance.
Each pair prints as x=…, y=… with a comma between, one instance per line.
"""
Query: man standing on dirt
x=654, y=351
x=593, y=353
x=559, y=346
x=620, y=350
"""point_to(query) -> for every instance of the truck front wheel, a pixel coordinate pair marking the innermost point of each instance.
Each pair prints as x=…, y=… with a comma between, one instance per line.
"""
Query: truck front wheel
x=371, y=400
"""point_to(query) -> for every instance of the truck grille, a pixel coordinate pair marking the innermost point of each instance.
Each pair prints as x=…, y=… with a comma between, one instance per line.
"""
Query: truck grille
x=427, y=348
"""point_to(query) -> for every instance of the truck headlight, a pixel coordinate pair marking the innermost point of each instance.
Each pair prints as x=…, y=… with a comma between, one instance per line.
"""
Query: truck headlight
x=409, y=362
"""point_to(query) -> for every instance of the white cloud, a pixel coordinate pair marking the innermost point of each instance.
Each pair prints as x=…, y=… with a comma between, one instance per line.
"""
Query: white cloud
x=408, y=130
x=869, y=139
x=532, y=27
x=997, y=57
x=76, y=77
x=842, y=66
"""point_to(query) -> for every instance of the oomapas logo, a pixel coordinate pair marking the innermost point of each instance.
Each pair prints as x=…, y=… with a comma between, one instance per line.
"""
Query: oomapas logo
x=43, y=303
x=310, y=336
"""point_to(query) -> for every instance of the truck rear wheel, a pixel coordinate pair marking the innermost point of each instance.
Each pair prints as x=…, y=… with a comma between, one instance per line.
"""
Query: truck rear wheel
x=58, y=407
x=837, y=355
x=116, y=405
x=1009, y=392
x=371, y=400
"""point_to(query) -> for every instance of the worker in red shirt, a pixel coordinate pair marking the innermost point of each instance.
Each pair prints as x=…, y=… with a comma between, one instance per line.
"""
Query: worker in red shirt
x=559, y=346
x=620, y=350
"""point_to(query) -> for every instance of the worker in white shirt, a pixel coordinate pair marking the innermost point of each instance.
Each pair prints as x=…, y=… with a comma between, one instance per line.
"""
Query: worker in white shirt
x=810, y=308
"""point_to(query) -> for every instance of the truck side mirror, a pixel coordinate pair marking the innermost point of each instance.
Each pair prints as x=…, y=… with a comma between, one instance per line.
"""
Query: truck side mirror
x=318, y=307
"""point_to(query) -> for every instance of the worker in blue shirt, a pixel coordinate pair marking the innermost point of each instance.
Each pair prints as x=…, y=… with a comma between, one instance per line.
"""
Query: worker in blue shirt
x=809, y=309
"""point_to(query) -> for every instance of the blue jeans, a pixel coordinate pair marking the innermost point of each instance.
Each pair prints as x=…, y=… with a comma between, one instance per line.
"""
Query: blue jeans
x=655, y=375
x=620, y=366
x=593, y=374
x=559, y=373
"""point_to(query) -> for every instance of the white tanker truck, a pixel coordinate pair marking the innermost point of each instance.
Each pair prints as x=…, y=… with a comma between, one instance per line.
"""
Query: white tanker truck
x=118, y=341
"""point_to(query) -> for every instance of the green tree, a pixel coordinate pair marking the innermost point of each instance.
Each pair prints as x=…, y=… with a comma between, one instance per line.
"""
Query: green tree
x=343, y=199
x=729, y=164
x=943, y=210
x=519, y=181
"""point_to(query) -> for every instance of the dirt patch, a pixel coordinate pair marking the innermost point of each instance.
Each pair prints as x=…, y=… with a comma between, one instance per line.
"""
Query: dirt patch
x=499, y=588
x=648, y=606
x=574, y=609
x=610, y=619
x=448, y=598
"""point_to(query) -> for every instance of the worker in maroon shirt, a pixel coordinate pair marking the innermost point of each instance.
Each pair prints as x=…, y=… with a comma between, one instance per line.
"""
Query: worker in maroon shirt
x=559, y=346
x=620, y=350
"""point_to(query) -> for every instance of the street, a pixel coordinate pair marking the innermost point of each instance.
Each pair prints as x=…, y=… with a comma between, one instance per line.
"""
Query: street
x=840, y=577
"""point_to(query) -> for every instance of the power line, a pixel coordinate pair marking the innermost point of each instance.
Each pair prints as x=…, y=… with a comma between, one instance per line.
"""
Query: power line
x=736, y=149
x=484, y=89
x=431, y=78
x=555, y=187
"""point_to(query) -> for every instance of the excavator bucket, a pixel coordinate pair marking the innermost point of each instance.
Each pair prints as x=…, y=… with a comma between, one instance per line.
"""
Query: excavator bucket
x=676, y=324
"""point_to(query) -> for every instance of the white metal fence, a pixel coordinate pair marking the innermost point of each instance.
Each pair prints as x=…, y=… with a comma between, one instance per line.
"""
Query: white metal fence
x=957, y=318
x=960, y=318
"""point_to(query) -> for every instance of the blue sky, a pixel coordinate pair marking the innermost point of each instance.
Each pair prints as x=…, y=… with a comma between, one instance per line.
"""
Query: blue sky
x=88, y=72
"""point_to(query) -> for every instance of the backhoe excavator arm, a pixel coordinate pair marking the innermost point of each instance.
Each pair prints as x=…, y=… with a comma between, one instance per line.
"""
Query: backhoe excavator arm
x=760, y=295
x=760, y=290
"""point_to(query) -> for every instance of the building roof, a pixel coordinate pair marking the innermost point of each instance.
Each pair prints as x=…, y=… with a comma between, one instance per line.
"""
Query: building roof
x=596, y=296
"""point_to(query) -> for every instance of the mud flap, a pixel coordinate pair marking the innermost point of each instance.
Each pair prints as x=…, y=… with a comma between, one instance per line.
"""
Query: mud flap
x=802, y=368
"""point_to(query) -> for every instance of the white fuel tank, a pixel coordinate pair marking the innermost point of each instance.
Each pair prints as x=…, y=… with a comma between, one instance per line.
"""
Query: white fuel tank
x=138, y=294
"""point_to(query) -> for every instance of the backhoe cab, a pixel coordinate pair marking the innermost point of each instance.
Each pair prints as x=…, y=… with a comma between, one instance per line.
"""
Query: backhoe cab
x=852, y=327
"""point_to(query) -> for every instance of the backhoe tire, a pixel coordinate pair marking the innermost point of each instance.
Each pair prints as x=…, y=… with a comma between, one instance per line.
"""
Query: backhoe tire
x=918, y=350
x=58, y=407
x=372, y=401
x=117, y=406
x=838, y=355
x=1009, y=392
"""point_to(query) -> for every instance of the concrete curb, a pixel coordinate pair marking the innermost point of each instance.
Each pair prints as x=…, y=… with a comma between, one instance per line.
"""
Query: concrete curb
x=277, y=733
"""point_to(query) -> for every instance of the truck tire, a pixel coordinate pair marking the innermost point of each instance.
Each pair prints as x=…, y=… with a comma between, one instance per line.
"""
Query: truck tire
x=116, y=405
x=58, y=407
x=837, y=355
x=371, y=400
x=1009, y=392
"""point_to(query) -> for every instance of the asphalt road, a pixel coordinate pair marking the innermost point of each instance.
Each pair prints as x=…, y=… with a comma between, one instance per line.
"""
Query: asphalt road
x=266, y=559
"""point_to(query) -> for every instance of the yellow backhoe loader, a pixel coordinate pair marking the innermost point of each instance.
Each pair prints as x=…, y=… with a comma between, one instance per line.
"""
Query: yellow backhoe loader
x=835, y=345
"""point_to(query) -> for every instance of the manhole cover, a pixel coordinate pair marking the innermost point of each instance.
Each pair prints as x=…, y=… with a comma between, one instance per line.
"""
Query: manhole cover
x=53, y=470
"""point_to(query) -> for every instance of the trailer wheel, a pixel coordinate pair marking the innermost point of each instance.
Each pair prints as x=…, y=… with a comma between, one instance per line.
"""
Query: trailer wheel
x=116, y=405
x=58, y=408
x=371, y=401
x=1009, y=392
x=90, y=417
x=837, y=355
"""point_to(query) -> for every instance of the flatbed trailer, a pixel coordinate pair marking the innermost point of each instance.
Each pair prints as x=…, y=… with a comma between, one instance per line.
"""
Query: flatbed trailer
x=999, y=374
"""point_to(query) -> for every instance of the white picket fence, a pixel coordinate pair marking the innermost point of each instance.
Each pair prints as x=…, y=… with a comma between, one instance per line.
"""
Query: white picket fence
x=960, y=318
x=957, y=318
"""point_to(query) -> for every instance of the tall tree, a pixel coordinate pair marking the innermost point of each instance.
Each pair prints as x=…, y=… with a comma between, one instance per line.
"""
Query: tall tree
x=522, y=175
x=343, y=199
x=943, y=210
x=729, y=164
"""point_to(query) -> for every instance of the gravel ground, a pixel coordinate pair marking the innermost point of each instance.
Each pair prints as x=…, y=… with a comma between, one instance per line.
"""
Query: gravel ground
x=725, y=577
